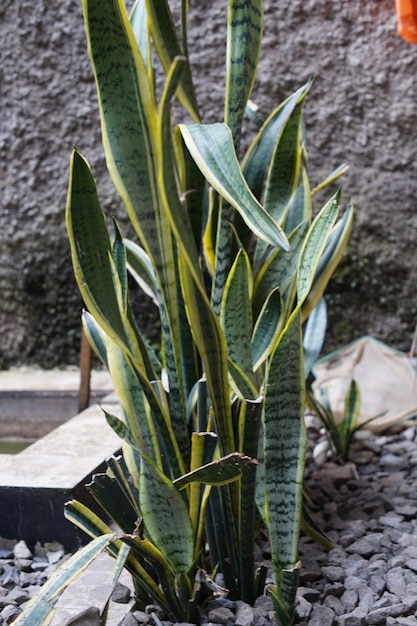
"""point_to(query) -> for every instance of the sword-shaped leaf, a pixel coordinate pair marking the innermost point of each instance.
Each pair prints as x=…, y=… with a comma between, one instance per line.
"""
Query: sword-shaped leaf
x=127, y=112
x=211, y=345
x=284, y=170
x=244, y=35
x=38, y=610
x=220, y=472
x=141, y=269
x=236, y=319
x=329, y=260
x=284, y=453
x=279, y=269
x=168, y=47
x=139, y=21
x=211, y=146
x=267, y=328
x=314, y=333
x=166, y=517
x=314, y=245
x=91, y=250
x=93, y=526
x=256, y=161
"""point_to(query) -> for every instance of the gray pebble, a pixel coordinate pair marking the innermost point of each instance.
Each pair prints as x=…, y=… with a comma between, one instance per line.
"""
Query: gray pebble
x=141, y=617
x=333, y=573
x=335, y=604
x=221, y=615
x=303, y=608
x=21, y=551
x=9, y=613
x=353, y=582
x=366, y=598
x=363, y=547
x=377, y=583
x=401, y=621
x=120, y=594
x=18, y=595
x=350, y=600
x=356, y=618
x=245, y=615
x=321, y=616
x=309, y=593
x=334, y=589
x=395, y=582
x=24, y=565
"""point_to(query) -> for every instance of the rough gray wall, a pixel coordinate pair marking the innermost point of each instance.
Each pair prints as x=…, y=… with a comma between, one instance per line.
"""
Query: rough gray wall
x=361, y=110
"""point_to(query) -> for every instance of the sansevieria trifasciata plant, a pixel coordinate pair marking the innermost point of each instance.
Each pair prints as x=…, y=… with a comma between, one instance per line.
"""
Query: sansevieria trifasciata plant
x=230, y=252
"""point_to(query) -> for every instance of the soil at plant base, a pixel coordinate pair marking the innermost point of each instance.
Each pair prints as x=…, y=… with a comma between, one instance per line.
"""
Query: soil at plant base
x=368, y=509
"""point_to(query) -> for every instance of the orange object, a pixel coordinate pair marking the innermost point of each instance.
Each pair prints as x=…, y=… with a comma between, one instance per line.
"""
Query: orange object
x=407, y=19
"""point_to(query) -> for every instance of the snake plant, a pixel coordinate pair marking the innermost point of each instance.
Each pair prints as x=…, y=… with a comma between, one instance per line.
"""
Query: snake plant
x=234, y=258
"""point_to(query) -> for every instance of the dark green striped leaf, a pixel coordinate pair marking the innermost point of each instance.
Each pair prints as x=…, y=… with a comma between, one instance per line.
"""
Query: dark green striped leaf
x=166, y=517
x=220, y=472
x=244, y=36
x=284, y=445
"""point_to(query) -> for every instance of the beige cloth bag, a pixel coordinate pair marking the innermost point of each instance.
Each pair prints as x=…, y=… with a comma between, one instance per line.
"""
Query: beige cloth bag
x=386, y=377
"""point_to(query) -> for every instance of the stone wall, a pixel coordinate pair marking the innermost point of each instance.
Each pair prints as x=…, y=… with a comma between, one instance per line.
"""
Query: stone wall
x=361, y=111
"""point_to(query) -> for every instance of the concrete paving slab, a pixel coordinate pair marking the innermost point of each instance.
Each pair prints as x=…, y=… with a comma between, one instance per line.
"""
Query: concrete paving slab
x=36, y=483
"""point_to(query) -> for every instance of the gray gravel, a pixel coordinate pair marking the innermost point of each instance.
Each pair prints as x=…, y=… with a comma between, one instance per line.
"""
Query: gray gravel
x=368, y=509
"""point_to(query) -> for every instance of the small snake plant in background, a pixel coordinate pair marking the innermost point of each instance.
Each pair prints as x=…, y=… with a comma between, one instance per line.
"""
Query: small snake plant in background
x=212, y=423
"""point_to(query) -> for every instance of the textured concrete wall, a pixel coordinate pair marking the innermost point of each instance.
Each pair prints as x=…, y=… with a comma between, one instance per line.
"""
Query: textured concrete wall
x=361, y=110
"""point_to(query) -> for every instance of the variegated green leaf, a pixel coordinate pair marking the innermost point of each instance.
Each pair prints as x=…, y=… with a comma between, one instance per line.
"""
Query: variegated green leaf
x=141, y=269
x=38, y=610
x=168, y=47
x=96, y=336
x=236, y=316
x=339, y=171
x=113, y=501
x=329, y=260
x=314, y=334
x=278, y=269
x=127, y=112
x=314, y=245
x=91, y=250
x=175, y=209
x=130, y=133
x=193, y=185
x=300, y=207
x=284, y=450
x=144, y=425
x=352, y=410
x=283, y=173
x=267, y=328
x=211, y=146
x=244, y=35
x=250, y=417
x=119, y=259
x=211, y=345
x=166, y=517
x=283, y=595
x=256, y=161
x=220, y=472
x=242, y=384
x=146, y=552
x=92, y=525
x=139, y=21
